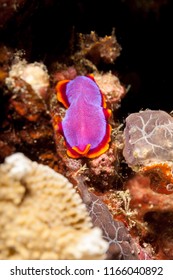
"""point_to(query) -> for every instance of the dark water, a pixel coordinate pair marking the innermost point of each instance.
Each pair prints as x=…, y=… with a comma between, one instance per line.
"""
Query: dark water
x=145, y=35
x=147, y=49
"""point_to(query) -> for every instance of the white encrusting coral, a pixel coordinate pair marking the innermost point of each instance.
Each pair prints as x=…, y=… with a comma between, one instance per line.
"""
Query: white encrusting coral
x=35, y=74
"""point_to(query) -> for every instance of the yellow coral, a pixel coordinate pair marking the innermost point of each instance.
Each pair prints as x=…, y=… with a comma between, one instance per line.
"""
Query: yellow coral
x=42, y=217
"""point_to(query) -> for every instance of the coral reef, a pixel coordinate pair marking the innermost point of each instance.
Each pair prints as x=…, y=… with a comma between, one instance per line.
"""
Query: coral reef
x=121, y=244
x=25, y=120
x=64, y=73
x=126, y=206
x=42, y=217
x=29, y=125
x=148, y=151
x=153, y=215
x=103, y=168
x=93, y=51
x=148, y=138
x=98, y=49
x=161, y=177
x=34, y=74
x=111, y=87
x=25, y=102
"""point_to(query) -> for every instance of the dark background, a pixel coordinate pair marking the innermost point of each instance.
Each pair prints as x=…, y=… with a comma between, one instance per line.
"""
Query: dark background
x=144, y=30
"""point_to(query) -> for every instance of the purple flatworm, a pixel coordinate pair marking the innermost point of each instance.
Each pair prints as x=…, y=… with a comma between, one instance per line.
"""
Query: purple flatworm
x=85, y=126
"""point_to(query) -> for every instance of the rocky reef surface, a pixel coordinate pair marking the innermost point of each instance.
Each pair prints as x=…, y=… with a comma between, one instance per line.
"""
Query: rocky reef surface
x=118, y=205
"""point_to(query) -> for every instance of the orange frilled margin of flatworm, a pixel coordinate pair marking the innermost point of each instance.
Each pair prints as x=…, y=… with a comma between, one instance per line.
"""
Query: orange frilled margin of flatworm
x=61, y=92
x=75, y=152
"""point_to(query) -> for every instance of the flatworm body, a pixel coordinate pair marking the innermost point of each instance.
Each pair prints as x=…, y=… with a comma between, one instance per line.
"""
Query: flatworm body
x=85, y=126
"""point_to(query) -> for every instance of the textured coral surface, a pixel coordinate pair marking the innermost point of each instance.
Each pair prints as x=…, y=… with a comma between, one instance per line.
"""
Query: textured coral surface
x=148, y=137
x=42, y=217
